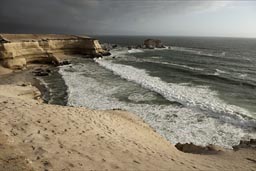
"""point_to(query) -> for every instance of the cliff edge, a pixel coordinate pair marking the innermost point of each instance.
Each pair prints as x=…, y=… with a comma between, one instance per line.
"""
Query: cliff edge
x=18, y=50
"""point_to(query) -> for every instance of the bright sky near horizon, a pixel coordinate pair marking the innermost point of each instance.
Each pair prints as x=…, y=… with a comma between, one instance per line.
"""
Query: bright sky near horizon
x=130, y=17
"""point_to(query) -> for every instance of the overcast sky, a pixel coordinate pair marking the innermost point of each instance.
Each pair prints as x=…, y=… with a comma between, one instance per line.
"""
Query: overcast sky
x=130, y=17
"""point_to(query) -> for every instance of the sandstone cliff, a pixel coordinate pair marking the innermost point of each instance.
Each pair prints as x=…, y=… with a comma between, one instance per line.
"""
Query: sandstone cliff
x=17, y=50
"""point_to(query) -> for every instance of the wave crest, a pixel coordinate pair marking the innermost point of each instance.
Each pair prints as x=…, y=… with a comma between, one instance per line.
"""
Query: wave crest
x=198, y=51
x=193, y=97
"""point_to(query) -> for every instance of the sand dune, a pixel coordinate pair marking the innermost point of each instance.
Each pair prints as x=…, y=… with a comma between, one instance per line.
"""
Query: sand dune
x=38, y=136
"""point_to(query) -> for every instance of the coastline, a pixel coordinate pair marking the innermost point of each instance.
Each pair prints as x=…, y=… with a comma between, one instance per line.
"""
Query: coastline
x=54, y=137
x=26, y=77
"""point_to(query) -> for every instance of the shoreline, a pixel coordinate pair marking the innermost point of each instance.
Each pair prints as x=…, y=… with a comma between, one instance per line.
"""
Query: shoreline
x=125, y=145
x=26, y=77
x=36, y=135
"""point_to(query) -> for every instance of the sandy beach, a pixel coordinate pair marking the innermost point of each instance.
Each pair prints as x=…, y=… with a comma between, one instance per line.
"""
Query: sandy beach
x=39, y=136
x=127, y=85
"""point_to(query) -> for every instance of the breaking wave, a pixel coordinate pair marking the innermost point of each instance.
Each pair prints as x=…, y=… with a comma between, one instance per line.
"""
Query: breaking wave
x=193, y=97
x=92, y=86
x=135, y=51
x=198, y=51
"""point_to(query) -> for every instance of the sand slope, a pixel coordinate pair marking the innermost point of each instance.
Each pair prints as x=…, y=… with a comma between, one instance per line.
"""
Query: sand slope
x=37, y=136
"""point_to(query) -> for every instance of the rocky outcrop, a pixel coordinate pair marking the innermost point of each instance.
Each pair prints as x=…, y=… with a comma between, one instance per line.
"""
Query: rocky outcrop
x=151, y=44
x=195, y=149
x=17, y=50
x=246, y=144
x=212, y=149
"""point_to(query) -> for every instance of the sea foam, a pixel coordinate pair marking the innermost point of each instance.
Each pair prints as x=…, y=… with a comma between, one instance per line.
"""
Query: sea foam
x=92, y=86
x=194, y=97
x=135, y=51
x=198, y=51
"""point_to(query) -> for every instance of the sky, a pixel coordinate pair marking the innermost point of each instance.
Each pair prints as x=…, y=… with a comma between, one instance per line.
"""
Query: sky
x=130, y=17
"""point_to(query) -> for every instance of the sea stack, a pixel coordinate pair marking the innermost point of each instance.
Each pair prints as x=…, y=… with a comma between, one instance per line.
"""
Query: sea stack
x=152, y=43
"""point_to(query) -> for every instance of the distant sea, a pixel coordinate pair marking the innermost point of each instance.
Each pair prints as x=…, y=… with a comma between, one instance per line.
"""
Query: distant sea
x=199, y=90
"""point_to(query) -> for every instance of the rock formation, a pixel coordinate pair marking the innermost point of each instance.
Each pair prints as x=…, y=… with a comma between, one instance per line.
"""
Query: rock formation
x=151, y=44
x=195, y=149
x=17, y=50
x=246, y=144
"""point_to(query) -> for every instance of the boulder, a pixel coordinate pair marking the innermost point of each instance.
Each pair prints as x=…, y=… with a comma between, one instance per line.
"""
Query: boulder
x=195, y=149
x=246, y=144
x=41, y=72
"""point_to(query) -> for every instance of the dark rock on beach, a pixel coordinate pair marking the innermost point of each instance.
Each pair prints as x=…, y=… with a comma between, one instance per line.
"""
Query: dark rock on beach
x=246, y=144
x=66, y=62
x=41, y=72
x=191, y=148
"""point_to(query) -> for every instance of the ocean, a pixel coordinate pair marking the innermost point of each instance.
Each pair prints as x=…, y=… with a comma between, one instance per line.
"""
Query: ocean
x=200, y=90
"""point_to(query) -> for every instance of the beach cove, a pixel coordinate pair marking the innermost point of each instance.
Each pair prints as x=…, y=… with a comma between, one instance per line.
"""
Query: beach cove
x=39, y=136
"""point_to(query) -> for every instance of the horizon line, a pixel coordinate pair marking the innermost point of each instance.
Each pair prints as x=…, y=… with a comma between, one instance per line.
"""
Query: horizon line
x=137, y=35
x=238, y=37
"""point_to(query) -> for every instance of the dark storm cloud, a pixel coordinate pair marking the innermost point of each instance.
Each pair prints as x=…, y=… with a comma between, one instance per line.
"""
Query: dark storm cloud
x=87, y=16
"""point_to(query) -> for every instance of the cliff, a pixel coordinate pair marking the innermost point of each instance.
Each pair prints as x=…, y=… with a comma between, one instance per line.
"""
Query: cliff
x=18, y=50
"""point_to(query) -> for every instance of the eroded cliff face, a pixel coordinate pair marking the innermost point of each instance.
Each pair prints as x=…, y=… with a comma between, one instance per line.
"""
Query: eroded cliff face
x=17, y=50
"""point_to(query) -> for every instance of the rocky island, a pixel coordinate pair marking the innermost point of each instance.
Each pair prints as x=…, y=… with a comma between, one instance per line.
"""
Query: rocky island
x=152, y=44
x=149, y=44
